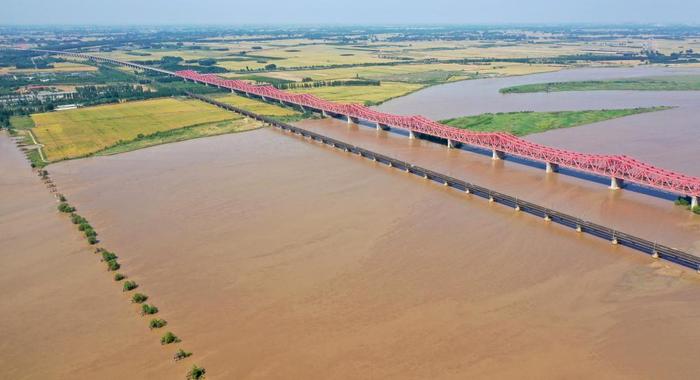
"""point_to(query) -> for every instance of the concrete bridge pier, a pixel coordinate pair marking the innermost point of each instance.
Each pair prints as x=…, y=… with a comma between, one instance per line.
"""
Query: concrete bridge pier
x=324, y=113
x=615, y=183
x=551, y=168
x=497, y=154
x=451, y=144
x=694, y=202
x=411, y=135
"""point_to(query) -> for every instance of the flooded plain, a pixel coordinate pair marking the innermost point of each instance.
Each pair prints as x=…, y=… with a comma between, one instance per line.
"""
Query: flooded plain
x=668, y=138
x=274, y=257
x=61, y=314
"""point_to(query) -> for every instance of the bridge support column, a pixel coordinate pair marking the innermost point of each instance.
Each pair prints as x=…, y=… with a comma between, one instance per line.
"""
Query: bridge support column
x=551, y=168
x=450, y=144
x=379, y=126
x=349, y=119
x=497, y=154
x=615, y=183
x=323, y=113
x=694, y=202
x=411, y=135
x=264, y=98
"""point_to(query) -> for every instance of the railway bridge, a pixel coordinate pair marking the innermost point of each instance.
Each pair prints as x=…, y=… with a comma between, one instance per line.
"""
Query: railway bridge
x=618, y=168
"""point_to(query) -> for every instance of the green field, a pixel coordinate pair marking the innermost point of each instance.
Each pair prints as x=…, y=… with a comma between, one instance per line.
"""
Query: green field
x=84, y=131
x=525, y=123
x=21, y=122
x=669, y=83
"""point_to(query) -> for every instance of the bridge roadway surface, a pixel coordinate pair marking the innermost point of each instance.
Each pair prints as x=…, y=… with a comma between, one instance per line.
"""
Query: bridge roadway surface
x=615, y=167
x=548, y=214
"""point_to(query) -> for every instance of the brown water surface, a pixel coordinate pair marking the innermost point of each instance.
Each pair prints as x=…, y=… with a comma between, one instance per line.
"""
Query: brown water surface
x=62, y=316
x=278, y=258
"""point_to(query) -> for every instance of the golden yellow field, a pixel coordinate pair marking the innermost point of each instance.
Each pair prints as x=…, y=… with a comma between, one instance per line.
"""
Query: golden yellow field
x=257, y=106
x=361, y=94
x=407, y=73
x=76, y=133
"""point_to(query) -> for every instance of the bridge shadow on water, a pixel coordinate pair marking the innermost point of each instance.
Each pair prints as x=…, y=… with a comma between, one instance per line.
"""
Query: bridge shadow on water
x=526, y=162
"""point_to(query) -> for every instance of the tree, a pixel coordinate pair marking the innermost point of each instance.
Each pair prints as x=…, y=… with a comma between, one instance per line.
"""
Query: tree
x=147, y=309
x=157, y=323
x=181, y=354
x=119, y=277
x=168, y=338
x=196, y=373
x=130, y=285
x=139, y=298
x=270, y=66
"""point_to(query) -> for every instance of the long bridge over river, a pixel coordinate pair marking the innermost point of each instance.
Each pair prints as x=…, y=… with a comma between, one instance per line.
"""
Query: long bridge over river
x=618, y=168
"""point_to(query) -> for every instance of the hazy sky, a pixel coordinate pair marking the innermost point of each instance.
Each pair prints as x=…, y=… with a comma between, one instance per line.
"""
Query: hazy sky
x=234, y=12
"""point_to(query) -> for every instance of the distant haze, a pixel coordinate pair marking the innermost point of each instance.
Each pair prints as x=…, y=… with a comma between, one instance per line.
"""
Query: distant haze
x=236, y=12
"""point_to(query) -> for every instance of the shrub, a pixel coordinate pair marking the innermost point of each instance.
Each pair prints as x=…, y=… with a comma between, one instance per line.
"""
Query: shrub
x=139, y=298
x=157, y=323
x=147, y=309
x=92, y=240
x=696, y=209
x=168, y=338
x=65, y=207
x=107, y=255
x=119, y=277
x=196, y=373
x=682, y=201
x=113, y=265
x=89, y=232
x=181, y=354
x=62, y=198
x=77, y=219
x=130, y=285
x=84, y=225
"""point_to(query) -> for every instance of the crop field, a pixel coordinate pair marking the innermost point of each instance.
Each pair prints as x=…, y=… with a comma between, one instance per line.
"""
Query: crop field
x=59, y=67
x=412, y=73
x=83, y=131
x=257, y=106
x=301, y=56
x=362, y=94
x=525, y=123
x=239, y=124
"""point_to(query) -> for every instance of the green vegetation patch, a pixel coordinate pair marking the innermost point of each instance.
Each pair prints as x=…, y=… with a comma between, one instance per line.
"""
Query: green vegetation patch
x=669, y=83
x=21, y=122
x=423, y=77
x=181, y=134
x=525, y=123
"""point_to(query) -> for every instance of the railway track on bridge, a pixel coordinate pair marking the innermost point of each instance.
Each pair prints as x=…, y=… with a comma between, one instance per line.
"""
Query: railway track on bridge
x=579, y=225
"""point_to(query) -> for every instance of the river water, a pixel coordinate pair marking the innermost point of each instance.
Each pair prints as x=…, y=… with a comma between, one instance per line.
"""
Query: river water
x=273, y=257
x=669, y=139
